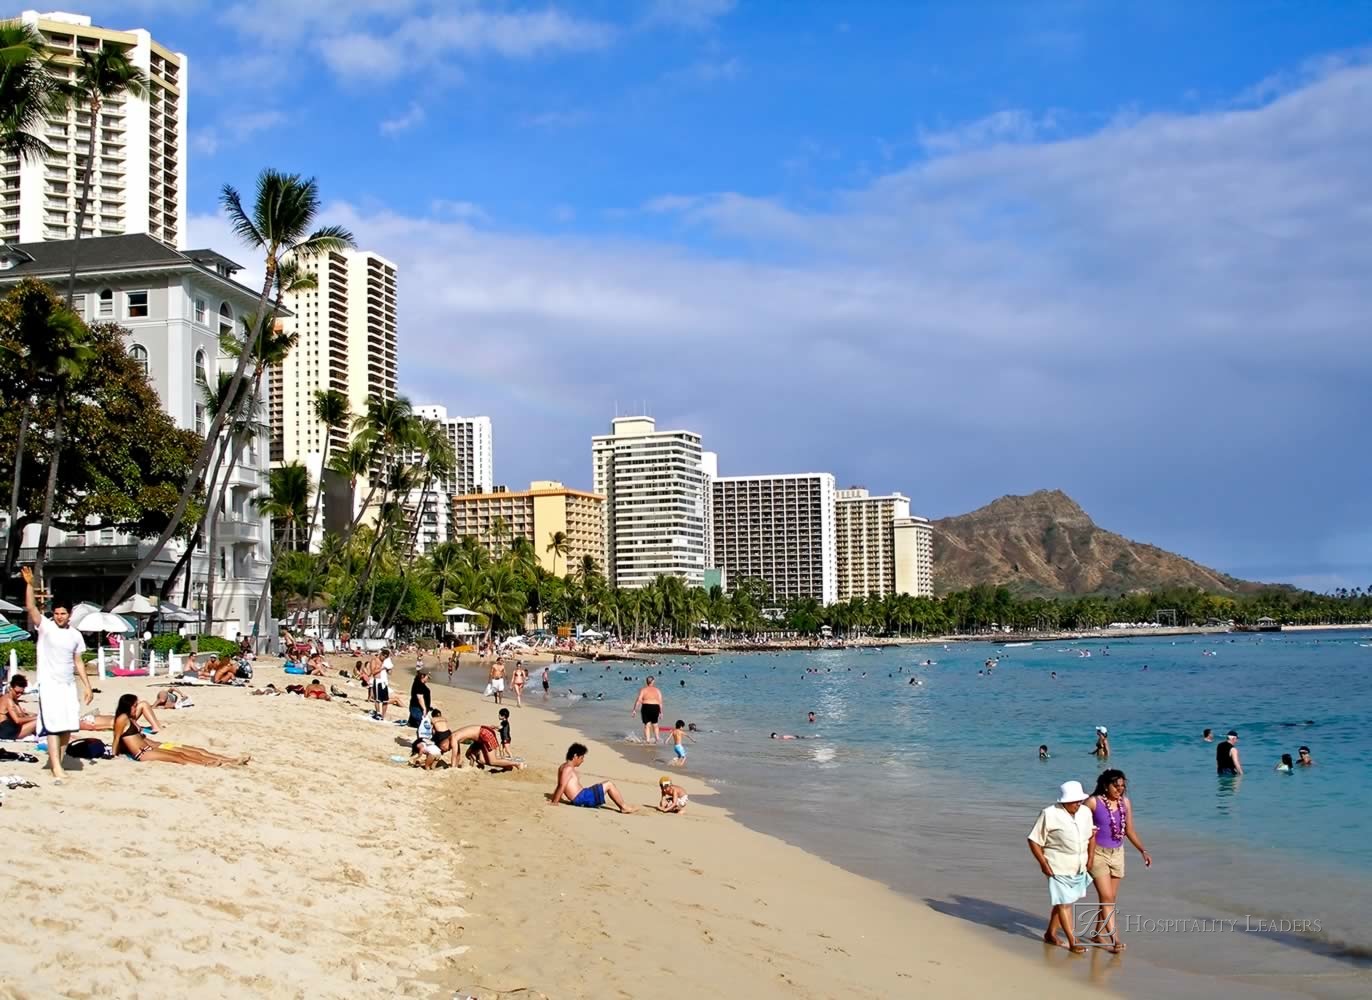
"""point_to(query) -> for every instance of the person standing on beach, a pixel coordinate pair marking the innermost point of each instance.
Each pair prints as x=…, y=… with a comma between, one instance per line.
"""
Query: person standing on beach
x=545, y=683
x=648, y=705
x=1062, y=842
x=1113, y=816
x=495, y=680
x=60, y=672
x=1227, y=755
x=382, y=682
x=519, y=679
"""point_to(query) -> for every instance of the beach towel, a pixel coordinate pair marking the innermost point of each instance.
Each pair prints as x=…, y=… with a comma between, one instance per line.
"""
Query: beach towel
x=127, y=672
x=59, y=707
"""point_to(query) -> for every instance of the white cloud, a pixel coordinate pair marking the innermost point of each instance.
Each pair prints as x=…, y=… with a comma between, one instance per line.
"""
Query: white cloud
x=1012, y=125
x=407, y=119
x=236, y=127
x=688, y=13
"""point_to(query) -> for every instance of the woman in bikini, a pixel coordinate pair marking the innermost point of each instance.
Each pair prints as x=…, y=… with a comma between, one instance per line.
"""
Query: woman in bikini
x=129, y=740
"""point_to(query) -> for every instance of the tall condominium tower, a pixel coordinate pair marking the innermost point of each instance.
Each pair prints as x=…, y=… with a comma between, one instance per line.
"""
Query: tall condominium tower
x=654, y=488
x=471, y=441
x=778, y=529
x=138, y=181
x=881, y=548
x=346, y=342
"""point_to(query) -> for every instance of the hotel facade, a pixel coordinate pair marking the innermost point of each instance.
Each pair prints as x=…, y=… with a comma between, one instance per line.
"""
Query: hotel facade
x=138, y=180
x=653, y=483
x=537, y=514
x=778, y=529
x=881, y=549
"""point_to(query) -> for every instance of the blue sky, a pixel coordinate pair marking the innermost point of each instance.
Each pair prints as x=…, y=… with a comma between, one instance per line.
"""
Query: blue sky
x=952, y=249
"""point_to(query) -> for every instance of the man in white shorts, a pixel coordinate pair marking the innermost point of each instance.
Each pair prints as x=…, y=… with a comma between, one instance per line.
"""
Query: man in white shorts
x=60, y=671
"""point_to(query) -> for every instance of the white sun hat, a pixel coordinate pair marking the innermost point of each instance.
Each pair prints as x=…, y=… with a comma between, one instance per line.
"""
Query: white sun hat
x=1071, y=791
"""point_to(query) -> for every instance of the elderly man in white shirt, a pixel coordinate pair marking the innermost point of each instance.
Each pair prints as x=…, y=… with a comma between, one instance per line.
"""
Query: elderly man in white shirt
x=60, y=670
x=1062, y=842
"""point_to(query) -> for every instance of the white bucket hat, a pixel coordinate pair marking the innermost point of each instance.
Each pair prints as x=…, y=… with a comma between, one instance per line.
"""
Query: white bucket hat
x=1071, y=791
x=1102, y=730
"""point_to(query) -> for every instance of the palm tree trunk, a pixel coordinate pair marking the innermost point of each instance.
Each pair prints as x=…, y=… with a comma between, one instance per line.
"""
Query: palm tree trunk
x=207, y=449
x=212, y=514
x=48, y=496
x=314, y=523
x=409, y=555
x=14, y=490
x=84, y=200
x=347, y=537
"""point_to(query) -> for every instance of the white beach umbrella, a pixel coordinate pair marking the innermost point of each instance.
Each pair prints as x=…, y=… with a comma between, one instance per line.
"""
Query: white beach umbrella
x=457, y=611
x=103, y=621
x=8, y=608
x=136, y=605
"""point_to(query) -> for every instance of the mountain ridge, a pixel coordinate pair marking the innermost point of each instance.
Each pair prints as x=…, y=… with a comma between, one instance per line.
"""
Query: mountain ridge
x=1045, y=544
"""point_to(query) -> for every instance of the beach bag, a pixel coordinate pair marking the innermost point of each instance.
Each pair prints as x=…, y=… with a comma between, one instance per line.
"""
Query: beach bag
x=88, y=749
x=426, y=728
x=244, y=671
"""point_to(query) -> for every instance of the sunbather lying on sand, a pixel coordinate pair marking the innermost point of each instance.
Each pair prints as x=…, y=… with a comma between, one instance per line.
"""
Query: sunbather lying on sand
x=170, y=698
x=129, y=740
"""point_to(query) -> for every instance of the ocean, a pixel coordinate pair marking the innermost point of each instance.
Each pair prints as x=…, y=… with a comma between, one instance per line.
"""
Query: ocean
x=1264, y=880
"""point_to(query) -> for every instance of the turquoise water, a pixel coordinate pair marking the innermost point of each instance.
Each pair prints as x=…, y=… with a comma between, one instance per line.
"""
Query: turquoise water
x=931, y=787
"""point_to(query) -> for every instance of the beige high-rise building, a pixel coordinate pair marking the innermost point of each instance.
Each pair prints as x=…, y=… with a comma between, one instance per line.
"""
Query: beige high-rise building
x=881, y=548
x=778, y=529
x=346, y=341
x=537, y=514
x=138, y=181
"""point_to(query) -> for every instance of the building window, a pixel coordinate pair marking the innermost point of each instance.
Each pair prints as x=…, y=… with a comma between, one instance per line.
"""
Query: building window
x=106, y=308
x=200, y=310
x=139, y=353
x=200, y=419
x=137, y=304
x=78, y=304
x=202, y=375
x=225, y=320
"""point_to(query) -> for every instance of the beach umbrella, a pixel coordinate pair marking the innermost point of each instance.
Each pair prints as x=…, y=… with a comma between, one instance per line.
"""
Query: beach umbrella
x=101, y=621
x=8, y=608
x=136, y=605
x=12, y=633
x=458, y=611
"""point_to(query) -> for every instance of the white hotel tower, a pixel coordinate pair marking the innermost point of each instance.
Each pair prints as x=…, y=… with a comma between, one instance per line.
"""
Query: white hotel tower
x=779, y=529
x=655, y=505
x=138, y=184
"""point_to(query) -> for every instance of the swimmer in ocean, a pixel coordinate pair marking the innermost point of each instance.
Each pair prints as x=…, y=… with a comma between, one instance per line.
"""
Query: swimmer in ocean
x=784, y=736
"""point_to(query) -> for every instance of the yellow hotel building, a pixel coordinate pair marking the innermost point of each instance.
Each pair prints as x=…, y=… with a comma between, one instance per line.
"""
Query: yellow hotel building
x=537, y=514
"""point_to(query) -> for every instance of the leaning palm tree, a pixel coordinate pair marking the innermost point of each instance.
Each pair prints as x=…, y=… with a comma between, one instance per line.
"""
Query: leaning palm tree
x=279, y=225
x=559, y=545
x=330, y=409
x=29, y=92
x=287, y=501
x=240, y=431
x=101, y=76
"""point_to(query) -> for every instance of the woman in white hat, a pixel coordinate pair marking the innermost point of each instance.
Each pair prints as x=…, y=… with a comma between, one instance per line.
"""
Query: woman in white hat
x=1102, y=748
x=1062, y=842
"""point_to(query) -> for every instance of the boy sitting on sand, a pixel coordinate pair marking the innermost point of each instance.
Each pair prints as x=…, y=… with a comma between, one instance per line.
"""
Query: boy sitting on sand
x=569, y=788
x=673, y=797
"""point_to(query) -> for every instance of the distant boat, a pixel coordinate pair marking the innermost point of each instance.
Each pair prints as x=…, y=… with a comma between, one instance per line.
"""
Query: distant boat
x=1262, y=625
x=1011, y=645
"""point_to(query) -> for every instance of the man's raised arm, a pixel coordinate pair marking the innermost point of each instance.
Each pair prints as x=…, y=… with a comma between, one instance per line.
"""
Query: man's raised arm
x=35, y=616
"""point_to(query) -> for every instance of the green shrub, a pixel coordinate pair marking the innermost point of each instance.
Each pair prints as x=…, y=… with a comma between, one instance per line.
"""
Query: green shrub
x=214, y=644
x=25, y=652
x=169, y=642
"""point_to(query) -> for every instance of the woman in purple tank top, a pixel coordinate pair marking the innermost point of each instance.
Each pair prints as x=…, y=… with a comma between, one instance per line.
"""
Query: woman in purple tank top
x=1113, y=814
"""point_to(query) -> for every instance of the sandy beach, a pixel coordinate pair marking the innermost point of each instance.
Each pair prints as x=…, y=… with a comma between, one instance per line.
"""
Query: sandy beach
x=324, y=869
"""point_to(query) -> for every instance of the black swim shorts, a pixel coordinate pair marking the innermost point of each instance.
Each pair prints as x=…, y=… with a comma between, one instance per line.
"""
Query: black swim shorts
x=650, y=713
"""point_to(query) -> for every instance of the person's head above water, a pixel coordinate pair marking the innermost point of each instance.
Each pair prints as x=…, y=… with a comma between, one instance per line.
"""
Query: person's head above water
x=1206, y=734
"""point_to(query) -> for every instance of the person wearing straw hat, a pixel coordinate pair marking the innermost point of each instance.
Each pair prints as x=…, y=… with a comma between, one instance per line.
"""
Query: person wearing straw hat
x=673, y=796
x=1063, y=842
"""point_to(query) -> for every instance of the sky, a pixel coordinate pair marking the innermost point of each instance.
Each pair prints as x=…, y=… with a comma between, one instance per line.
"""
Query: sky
x=954, y=250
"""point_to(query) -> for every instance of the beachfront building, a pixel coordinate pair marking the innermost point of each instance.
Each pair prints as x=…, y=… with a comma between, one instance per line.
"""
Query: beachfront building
x=138, y=180
x=881, y=549
x=176, y=307
x=778, y=529
x=654, y=487
x=497, y=518
x=472, y=473
x=346, y=330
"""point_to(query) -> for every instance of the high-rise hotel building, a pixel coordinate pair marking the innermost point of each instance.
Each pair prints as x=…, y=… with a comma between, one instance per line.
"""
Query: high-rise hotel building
x=546, y=508
x=655, y=504
x=473, y=471
x=346, y=342
x=778, y=529
x=881, y=548
x=138, y=181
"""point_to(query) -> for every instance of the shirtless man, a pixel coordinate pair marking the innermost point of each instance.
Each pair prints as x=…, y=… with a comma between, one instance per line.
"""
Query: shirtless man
x=15, y=723
x=496, y=679
x=545, y=680
x=570, y=791
x=648, y=705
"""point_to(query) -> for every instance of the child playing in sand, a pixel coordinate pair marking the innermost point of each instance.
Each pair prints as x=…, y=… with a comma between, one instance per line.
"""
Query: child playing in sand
x=673, y=797
x=424, y=754
x=678, y=738
x=505, y=733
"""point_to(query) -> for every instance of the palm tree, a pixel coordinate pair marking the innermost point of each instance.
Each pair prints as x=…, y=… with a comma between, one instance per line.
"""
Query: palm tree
x=242, y=428
x=500, y=530
x=559, y=545
x=29, y=92
x=279, y=226
x=287, y=501
x=502, y=600
x=101, y=76
x=332, y=410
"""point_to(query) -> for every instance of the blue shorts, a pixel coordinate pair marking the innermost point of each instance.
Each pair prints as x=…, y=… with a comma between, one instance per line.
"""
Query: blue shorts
x=591, y=798
x=679, y=750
